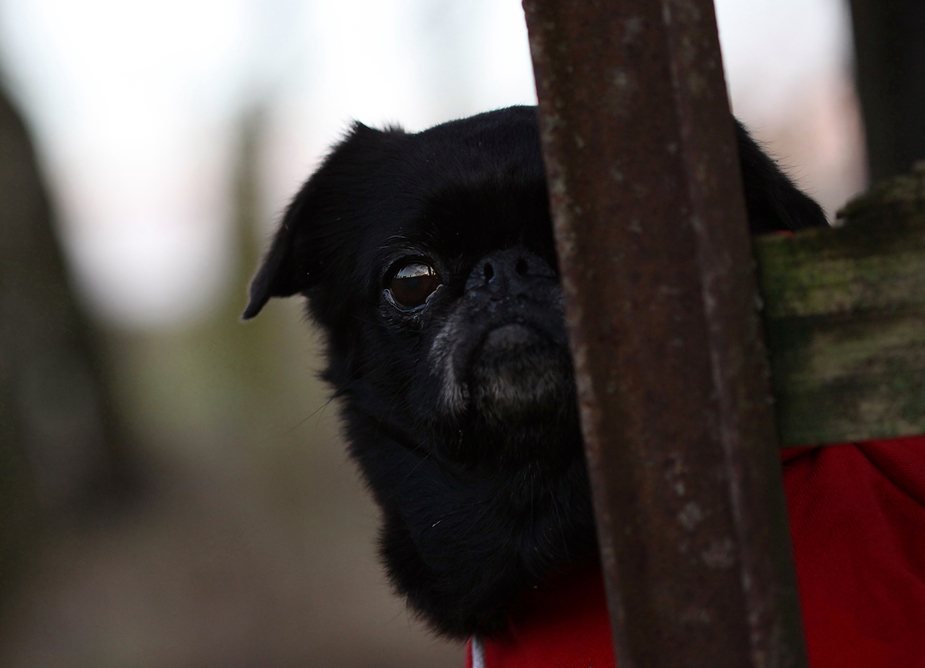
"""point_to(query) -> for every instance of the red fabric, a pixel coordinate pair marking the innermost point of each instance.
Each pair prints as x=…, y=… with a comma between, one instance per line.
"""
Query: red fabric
x=857, y=519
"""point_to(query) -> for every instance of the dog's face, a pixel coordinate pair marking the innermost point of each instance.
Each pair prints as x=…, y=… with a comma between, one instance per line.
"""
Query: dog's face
x=429, y=261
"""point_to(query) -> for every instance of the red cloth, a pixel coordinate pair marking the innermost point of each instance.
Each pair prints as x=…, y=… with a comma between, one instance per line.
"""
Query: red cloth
x=857, y=519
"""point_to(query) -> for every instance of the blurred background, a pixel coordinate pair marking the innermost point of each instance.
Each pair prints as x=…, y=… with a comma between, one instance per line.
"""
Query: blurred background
x=173, y=491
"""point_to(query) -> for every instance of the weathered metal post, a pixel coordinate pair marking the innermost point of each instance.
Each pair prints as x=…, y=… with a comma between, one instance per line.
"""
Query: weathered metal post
x=662, y=309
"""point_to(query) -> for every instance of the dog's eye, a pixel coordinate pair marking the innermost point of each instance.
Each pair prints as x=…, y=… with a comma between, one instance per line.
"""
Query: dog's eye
x=411, y=285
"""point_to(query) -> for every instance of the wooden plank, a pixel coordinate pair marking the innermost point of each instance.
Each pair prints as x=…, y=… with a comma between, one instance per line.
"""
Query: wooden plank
x=844, y=312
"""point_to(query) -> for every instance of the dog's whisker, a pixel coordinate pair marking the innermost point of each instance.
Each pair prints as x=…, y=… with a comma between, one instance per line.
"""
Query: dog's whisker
x=336, y=395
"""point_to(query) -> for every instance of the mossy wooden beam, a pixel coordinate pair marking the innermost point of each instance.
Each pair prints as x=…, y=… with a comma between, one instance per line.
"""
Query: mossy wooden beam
x=844, y=312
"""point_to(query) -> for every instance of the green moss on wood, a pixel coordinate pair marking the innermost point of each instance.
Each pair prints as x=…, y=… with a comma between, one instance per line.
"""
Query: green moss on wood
x=844, y=312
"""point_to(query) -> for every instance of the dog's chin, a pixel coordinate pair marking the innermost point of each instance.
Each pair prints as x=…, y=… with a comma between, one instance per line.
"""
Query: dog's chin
x=517, y=375
x=520, y=410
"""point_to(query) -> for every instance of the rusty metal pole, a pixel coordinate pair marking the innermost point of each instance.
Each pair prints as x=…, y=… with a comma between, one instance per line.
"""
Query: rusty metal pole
x=662, y=310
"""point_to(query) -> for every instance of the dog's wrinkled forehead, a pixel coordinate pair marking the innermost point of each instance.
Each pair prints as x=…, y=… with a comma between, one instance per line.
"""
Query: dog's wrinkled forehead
x=477, y=181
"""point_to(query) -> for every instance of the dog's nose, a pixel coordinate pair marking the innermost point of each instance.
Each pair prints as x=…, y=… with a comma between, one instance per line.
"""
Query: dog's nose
x=509, y=271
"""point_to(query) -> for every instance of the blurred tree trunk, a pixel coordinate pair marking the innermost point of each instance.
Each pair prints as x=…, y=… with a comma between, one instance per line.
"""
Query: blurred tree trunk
x=18, y=495
x=60, y=447
x=889, y=39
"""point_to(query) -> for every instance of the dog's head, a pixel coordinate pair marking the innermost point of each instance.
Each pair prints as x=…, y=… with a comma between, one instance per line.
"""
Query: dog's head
x=428, y=260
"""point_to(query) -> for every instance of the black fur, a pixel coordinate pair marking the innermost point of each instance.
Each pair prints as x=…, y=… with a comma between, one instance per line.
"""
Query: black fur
x=461, y=412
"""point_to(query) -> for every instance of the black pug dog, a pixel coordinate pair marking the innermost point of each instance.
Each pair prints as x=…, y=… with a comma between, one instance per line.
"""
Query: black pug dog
x=428, y=260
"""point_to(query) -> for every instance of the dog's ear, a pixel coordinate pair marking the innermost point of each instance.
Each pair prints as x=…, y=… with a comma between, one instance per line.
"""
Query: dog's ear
x=774, y=203
x=282, y=274
x=314, y=225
